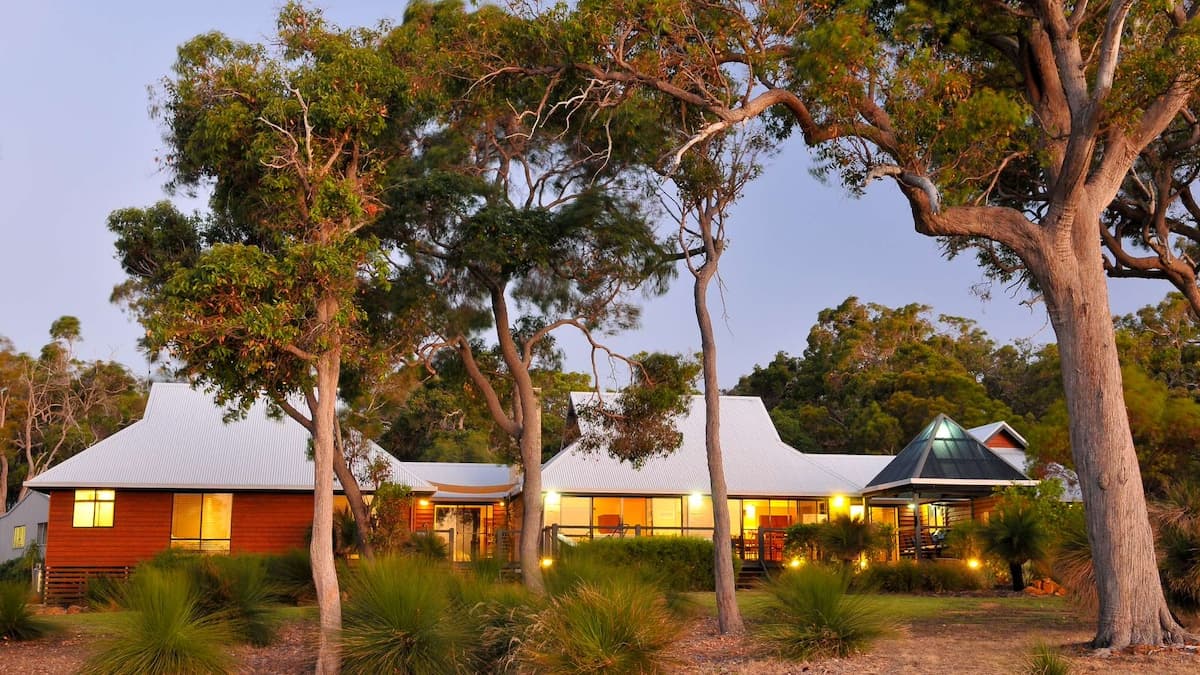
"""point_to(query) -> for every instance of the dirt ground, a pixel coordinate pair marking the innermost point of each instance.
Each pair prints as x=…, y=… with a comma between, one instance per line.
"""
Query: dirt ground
x=986, y=637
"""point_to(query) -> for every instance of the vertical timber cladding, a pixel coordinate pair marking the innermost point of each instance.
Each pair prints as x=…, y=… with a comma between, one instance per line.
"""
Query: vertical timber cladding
x=422, y=513
x=141, y=528
x=270, y=522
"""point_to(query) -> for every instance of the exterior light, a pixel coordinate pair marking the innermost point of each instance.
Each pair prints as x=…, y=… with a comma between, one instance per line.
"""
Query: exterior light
x=424, y=502
x=547, y=562
x=912, y=507
x=838, y=501
x=695, y=499
x=749, y=510
x=862, y=563
x=795, y=562
x=553, y=498
x=973, y=563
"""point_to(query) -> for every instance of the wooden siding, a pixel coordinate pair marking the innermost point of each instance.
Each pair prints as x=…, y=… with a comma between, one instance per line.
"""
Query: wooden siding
x=1002, y=440
x=267, y=522
x=141, y=528
x=422, y=514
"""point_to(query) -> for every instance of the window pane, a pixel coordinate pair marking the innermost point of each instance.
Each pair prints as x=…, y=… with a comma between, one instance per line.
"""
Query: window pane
x=85, y=495
x=104, y=514
x=185, y=518
x=106, y=495
x=699, y=515
x=607, y=513
x=666, y=512
x=576, y=511
x=218, y=509
x=633, y=510
x=18, y=537
x=85, y=514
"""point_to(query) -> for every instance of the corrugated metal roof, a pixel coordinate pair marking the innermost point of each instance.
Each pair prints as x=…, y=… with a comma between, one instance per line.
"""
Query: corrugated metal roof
x=182, y=442
x=467, y=481
x=757, y=462
x=859, y=469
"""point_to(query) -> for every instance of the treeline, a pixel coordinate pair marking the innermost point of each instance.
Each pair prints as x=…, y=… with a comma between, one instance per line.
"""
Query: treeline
x=872, y=376
x=53, y=405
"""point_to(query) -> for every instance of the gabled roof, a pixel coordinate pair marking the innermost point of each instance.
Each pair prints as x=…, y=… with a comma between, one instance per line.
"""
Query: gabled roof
x=183, y=443
x=987, y=431
x=757, y=462
x=945, y=456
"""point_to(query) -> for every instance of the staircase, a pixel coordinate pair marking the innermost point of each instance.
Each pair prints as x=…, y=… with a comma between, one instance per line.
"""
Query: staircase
x=752, y=575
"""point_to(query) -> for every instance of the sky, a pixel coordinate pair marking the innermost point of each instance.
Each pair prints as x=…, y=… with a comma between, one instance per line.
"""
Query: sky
x=77, y=142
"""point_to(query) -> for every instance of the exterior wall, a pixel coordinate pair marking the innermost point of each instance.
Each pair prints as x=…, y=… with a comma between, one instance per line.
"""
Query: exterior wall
x=31, y=511
x=422, y=514
x=141, y=528
x=267, y=522
x=1003, y=440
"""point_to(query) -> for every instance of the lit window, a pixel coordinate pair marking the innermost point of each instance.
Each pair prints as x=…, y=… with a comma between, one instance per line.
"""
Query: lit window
x=201, y=522
x=94, y=508
x=19, y=536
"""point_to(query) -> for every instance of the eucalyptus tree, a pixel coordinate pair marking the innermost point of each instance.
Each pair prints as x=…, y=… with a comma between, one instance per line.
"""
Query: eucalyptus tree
x=1026, y=131
x=261, y=296
x=529, y=222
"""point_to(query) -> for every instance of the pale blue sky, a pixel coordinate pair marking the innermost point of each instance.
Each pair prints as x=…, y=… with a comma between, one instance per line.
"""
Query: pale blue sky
x=76, y=142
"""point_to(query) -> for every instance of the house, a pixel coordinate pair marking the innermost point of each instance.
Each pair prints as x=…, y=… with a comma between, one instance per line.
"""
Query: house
x=23, y=527
x=184, y=477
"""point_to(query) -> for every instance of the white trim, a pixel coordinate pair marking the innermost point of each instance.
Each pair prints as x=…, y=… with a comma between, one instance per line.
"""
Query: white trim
x=964, y=482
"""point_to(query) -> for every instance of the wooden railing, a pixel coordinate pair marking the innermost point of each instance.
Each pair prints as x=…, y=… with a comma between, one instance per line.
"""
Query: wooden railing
x=66, y=585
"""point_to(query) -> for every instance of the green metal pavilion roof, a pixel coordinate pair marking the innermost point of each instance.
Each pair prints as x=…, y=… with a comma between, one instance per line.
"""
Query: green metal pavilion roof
x=945, y=458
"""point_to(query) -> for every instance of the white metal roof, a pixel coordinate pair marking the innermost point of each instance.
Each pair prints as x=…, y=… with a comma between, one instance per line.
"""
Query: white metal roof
x=985, y=433
x=182, y=442
x=858, y=469
x=757, y=462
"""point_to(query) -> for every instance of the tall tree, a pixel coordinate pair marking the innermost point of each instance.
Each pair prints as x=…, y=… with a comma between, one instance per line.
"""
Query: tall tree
x=1017, y=129
x=262, y=296
x=527, y=222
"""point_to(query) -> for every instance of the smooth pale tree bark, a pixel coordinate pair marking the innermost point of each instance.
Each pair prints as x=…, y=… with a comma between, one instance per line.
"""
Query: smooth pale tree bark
x=729, y=617
x=324, y=419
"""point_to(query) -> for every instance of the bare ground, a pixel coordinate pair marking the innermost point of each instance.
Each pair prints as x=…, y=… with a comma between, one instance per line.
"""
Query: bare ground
x=985, y=637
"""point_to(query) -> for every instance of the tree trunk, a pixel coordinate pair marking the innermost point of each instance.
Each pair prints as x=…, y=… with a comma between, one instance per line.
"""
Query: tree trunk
x=1133, y=609
x=358, y=507
x=729, y=617
x=1017, y=576
x=531, y=513
x=321, y=548
x=3, y=482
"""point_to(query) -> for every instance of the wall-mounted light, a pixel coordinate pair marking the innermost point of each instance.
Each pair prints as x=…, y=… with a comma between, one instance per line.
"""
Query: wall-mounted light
x=423, y=502
x=547, y=562
x=553, y=498
x=838, y=501
x=695, y=500
x=973, y=563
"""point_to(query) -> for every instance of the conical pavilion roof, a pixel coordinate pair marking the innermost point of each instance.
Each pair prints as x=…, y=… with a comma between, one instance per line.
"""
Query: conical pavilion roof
x=945, y=454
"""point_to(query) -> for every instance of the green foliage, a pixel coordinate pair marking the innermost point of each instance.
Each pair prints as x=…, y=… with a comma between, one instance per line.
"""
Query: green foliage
x=165, y=632
x=1046, y=660
x=674, y=563
x=908, y=576
x=102, y=592
x=400, y=618
x=1177, y=521
x=622, y=627
x=426, y=545
x=801, y=541
x=390, y=511
x=237, y=589
x=290, y=575
x=17, y=620
x=845, y=539
x=1018, y=533
x=966, y=540
x=813, y=616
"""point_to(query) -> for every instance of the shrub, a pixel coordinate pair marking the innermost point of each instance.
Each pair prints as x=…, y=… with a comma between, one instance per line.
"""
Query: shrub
x=845, y=539
x=290, y=577
x=165, y=632
x=426, y=545
x=801, y=541
x=611, y=628
x=1072, y=560
x=17, y=621
x=908, y=576
x=966, y=540
x=1046, y=660
x=237, y=589
x=103, y=592
x=400, y=618
x=1177, y=525
x=1017, y=533
x=815, y=617
x=684, y=563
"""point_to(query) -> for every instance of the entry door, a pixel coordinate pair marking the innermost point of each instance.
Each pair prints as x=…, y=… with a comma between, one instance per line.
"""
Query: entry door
x=461, y=527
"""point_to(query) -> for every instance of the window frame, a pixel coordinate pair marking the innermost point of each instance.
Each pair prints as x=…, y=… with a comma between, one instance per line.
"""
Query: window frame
x=96, y=499
x=200, y=543
x=22, y=541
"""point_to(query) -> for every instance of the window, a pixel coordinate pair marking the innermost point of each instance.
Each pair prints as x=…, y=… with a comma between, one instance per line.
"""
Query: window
x=94, y=508
x=19, y=536
x=201, y=522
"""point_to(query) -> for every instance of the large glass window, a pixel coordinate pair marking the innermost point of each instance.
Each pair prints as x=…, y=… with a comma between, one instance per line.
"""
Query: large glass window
x=699, y=516
x=94, y=508
x=201, y=522
x=666, y=512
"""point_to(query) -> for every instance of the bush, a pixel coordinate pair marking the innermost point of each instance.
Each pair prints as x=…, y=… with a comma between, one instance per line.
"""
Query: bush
x=1018, y=533
x=103, y=592
x=908, y=576
x=290, y=577
x=17, y=622
x=845, y=539
x=1046, y=660
x=683, y=563
x=815, y=617
x=611, y=628
x=426, y=545
x=400, y=618
x=236, y=588
x=165, y=632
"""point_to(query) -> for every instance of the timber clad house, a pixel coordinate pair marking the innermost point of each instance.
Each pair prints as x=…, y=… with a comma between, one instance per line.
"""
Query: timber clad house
x=184, y=478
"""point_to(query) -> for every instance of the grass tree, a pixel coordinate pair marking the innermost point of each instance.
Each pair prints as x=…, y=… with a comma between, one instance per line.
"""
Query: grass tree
x=1018, y=533
x=260, y=296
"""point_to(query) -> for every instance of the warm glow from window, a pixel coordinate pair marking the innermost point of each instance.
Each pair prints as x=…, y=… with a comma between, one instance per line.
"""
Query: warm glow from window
x=795, y=562
x=856, y=511
x=202, y=522
x=912, y=507
x=94, y=508
x=19, y=536
x=553, y=498
x=696, y=500
x=750, y=511
x=423, y=502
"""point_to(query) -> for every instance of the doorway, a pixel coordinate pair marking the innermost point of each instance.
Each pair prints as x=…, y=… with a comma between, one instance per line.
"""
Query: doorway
x=465, y=529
